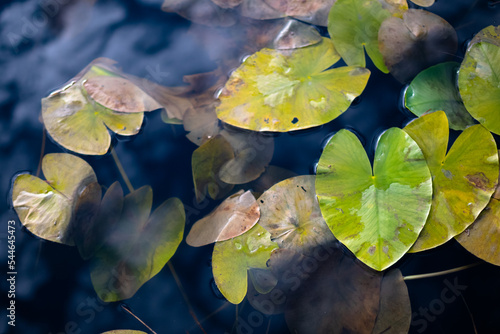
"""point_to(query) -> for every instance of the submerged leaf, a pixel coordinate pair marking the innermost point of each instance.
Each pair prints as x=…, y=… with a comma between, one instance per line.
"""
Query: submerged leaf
x=312, y=11
x=290, y=212
x=378, y=215
x=423, y=3
x=394, y=314
x=203, y=12
x=340, y=296
x=435, y=89
x=353, y=26
x=463, y=180
x=232, y=258
x=46, y=207
x=479, y=78
x=270, y=177
x=295, y=34
x=277, y=91
x=137, y=246
x=124, y=331
x=79, y=124
x=482, y=238
x=233, y=217
x=419, y=40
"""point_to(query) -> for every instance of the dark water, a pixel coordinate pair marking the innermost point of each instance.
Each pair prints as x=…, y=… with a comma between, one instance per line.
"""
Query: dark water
x=54, y=293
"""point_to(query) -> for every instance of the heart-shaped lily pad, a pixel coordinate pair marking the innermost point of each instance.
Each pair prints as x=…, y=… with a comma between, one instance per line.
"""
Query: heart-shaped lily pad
x=283, y=91
x=435, y=89
x=81, y=125
x=46, y=207
x=353, y=26
x=483, y=237
x=232, y=258
x=479, y=79
x=290, y=212
x=378, y=215
x=463, y=180
x=137, y=246
x=233, y=217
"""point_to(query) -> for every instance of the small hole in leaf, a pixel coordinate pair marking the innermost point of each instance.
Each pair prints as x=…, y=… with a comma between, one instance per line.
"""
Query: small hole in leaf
x=295, y=120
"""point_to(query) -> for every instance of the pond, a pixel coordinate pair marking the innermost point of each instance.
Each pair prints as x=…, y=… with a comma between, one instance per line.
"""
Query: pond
x=44, y=44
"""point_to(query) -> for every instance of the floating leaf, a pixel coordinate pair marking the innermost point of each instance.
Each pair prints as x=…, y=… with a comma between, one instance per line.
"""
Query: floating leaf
x=201, y=123
x=419, y=40
x=263, y=280
x=276, y=91
x=295, y=34
x=463, y=180
x=394, y=315
x=312, y=11
x=423, y=3
x=93, y=217
x=233, y=217
x=81, y=125
x=270, y=177
x=378, y=215
x=119, y=94
x=483, y=237
x=353, y=26
x=46, y=207
x=232, y=258
x=206, y=162
x=340, y=296
x=259, y=10
x=435, y=89
x=252, y=153
x=479, y=79
x=290, y=212
x=138, y=246
x=227, y=3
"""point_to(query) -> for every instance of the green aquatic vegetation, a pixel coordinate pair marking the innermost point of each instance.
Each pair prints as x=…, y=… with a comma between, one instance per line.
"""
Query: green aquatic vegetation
x=232, y=259
x=463, y=179
x=291, y=214
x=46, y=207
x=377, y=214
x=137, y=246
x=353, y=26
x=435, y=89
x=479, y=78
x=284, y=91
x=234, y=216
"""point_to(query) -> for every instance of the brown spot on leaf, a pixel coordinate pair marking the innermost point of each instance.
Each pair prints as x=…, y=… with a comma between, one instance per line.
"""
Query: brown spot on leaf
x=479, y=180
x=372, y=249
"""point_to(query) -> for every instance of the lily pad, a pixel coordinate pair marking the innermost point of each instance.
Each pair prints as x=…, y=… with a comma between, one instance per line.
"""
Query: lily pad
x=290, y=212
x=233, y=217
x=463, y=180
x=270, y=177
x=259, y=10
x=206, y=163
x=81, y=125
x=353, y=26
x=46, y=207
x=277, y=91
x=418, y=40
x=93, y=217
x=252, y=154
x=378, y=215
x=394, y=315
x=423, y=3
x=435, y=89
x=479, y=79
x=483, y=237
x=340, y=296
x=295, y=34
x=138, y=246
x=232, y=258
x=312, y=11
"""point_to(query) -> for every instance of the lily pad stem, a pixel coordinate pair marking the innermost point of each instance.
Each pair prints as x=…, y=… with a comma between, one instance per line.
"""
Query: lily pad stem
x=138, y=319
x=170, y=266
x=439, y=273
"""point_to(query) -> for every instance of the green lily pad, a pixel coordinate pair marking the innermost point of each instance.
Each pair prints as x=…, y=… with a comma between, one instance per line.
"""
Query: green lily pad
x=233, y=217
x=207, y=161
x=290, y=212
x=483, y=237
x=79, y=124
x=435, y=89
x=93, y=217
x=46, y=207
x=414, y=42
x=353, y=26
x=479, y=79
x=463, y=180
x=137, y=246
x=232, y=258
x=284, y=91
x=378, y=215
